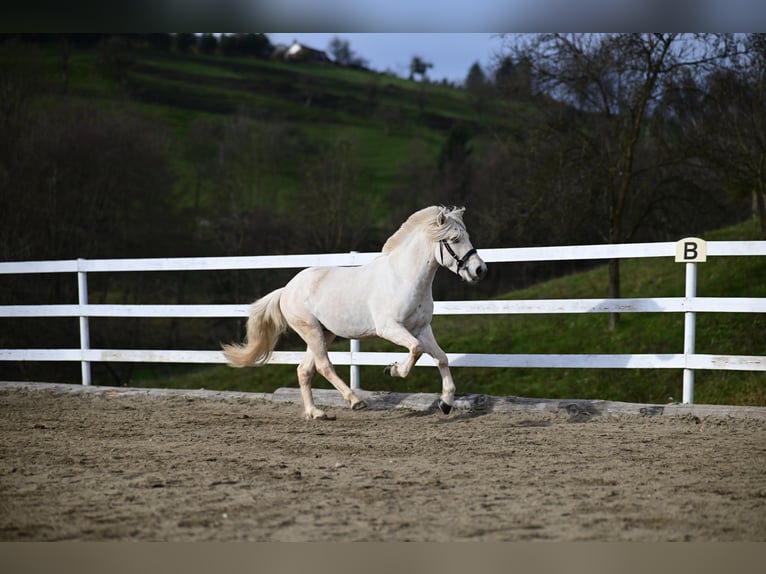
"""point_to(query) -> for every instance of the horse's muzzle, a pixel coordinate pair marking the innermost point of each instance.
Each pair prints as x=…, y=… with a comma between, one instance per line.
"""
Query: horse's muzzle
x=474, y=274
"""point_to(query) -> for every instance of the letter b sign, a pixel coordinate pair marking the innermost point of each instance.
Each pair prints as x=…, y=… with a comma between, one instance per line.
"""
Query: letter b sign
x=691, y=250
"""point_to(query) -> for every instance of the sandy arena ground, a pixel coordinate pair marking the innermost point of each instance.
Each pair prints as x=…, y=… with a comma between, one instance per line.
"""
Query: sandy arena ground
x=111, y=466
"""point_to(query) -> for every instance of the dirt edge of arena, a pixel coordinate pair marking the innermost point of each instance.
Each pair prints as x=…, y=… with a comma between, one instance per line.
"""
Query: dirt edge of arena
x=377, y=400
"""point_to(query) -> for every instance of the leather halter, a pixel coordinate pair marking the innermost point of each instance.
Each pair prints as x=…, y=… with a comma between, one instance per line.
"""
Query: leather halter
x=461, y=261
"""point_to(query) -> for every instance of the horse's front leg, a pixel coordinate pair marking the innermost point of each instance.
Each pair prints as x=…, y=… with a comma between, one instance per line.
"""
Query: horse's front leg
x=431, y=347
x=399, y=335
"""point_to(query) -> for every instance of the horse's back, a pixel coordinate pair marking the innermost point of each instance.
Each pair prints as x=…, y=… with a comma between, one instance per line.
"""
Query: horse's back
x=337, y=297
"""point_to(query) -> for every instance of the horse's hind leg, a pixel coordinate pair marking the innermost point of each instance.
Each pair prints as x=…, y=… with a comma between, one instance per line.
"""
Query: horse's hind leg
x=305, y=374
x=317, y=341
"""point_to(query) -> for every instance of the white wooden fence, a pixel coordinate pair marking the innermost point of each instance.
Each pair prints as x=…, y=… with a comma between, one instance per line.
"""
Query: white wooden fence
x=688, y=251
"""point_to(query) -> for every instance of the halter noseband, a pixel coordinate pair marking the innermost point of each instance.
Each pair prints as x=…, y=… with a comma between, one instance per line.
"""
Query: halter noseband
x=461, y=261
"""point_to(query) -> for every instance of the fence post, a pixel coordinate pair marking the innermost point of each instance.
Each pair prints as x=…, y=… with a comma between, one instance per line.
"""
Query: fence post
x=354, y=348
x=82, y=299
x=355, y=381
x=690, y=324
x=691, y=251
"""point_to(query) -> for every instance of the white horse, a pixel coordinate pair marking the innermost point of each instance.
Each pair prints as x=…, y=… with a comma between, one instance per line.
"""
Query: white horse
x=390, y=297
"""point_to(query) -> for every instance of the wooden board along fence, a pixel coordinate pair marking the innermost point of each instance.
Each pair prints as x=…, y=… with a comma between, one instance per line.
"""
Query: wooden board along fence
x=690, y=252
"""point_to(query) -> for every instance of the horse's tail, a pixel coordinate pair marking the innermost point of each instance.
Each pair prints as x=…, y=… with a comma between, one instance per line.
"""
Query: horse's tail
x=264, y=326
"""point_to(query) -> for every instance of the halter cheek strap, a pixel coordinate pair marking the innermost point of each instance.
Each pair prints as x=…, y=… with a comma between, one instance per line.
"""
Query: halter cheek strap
x=460, y=261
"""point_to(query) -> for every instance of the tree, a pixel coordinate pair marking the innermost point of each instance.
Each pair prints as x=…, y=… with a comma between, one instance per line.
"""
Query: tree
x=614, y=81
x=257, y=45
x=476, y=79
x=478, y=89
x=115, y=59
x=330, y=214
x=454, y=165
x=159, y=41
x=208, y=43
x=185, y=41
x=243, y=159
x=734, y=126
x=341, y=52
x=419, y=67
x=513, y=78
x=415, y=183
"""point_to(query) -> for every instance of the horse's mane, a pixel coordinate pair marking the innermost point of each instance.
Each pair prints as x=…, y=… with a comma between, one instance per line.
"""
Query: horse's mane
x=437, y=221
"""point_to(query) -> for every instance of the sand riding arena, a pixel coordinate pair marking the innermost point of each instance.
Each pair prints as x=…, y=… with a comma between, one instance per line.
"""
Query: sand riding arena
x=93, y=463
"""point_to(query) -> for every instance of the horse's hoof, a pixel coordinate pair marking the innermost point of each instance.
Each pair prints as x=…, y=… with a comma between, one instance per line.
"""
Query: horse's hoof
x=444, y=407
x=358, y=406
x=388, y=369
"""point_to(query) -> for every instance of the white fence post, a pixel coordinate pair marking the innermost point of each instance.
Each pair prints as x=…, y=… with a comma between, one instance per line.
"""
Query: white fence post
x=354, y=379
x=354, y=375
x=82, y=299
x=690, y=324
x=691, y=251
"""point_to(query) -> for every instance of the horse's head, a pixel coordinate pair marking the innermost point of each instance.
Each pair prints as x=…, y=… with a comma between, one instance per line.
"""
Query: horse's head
x=455, y=251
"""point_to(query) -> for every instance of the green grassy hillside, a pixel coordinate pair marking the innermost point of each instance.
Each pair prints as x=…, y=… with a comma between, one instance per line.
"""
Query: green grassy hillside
x=724, y=333
x=379, y=115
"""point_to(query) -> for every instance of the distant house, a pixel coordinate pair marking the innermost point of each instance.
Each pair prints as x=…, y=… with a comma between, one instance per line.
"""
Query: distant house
x=297, y=52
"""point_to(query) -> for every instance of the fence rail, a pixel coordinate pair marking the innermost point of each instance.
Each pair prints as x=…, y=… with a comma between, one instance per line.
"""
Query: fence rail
x=688, y=251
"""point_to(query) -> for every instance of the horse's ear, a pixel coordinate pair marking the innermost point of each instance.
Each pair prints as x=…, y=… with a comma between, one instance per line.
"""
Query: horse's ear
x=441, y=219
x=454, y=211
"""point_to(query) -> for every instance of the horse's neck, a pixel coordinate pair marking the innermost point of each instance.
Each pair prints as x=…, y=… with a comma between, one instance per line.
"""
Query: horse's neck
x=414, y=263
